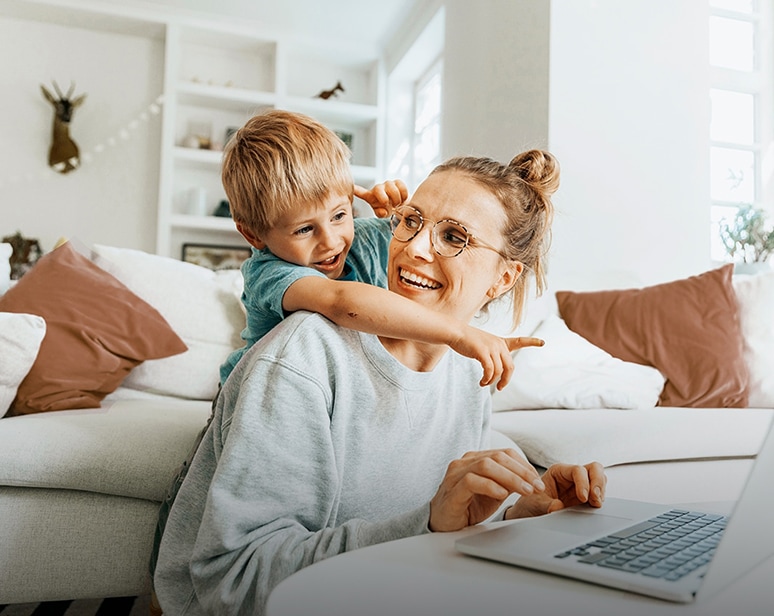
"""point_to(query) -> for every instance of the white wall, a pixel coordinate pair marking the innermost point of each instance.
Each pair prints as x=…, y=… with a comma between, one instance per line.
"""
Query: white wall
x=112, y=199
x=629, y=122
x=496, y=70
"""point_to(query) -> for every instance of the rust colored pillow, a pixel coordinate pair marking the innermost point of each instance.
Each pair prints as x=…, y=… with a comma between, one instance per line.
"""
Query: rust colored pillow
x=97, y=330
x=689, y=329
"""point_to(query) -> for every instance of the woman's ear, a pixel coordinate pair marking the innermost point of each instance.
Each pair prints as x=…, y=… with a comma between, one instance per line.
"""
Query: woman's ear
x=251, y=238
x=508, y=278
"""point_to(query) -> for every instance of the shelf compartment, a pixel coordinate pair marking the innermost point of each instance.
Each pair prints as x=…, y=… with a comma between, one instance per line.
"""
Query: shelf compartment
x=206, y=223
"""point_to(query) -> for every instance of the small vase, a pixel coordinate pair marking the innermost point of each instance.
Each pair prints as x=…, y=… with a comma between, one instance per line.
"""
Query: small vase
x=757, y=267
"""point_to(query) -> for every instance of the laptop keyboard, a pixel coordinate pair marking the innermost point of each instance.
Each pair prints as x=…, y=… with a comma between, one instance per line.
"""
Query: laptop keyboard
x=668, y=546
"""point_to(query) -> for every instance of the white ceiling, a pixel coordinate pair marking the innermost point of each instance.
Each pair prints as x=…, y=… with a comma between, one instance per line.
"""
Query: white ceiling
x=366, y=22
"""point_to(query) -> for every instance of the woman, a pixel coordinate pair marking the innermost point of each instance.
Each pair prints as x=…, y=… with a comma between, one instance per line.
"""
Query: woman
x=326, y=439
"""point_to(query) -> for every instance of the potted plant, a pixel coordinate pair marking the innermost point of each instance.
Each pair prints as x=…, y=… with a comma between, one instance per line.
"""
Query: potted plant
x=747, y=239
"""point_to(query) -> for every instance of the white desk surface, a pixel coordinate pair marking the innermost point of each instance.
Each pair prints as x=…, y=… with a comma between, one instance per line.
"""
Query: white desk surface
x=425, y=576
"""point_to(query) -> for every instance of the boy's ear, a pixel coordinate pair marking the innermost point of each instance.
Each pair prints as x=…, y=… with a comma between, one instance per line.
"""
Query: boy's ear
x=508, y=278
x=251, y=237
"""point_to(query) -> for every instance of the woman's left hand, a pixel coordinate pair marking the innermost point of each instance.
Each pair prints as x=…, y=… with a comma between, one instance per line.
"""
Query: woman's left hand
x=566, y=485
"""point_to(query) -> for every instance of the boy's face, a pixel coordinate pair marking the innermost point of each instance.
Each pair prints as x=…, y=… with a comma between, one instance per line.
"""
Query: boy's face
x=317, y=235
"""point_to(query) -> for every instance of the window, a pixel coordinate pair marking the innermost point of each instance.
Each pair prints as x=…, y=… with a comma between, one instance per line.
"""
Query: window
x=742, y=107
x=414, y=102
x=426, y=144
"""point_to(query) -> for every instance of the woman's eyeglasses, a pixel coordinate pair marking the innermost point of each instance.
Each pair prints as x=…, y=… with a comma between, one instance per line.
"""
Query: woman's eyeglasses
x=448, y=237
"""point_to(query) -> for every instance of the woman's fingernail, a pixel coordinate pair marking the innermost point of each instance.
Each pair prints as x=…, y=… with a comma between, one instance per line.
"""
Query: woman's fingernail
x=539, y=485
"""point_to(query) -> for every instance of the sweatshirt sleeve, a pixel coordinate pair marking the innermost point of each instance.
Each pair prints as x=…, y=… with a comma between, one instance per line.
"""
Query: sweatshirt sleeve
x=272, y=502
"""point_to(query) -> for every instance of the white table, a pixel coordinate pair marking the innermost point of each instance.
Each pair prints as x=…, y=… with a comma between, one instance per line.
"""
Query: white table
x=425, y=576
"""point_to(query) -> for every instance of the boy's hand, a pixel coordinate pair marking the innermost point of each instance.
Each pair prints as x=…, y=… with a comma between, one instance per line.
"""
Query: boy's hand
x=383, y=197
x=493, y=352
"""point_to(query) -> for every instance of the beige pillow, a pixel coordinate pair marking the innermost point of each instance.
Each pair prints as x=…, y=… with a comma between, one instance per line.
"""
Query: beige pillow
x=20, y=338
x=689, y=329
x=97, y=330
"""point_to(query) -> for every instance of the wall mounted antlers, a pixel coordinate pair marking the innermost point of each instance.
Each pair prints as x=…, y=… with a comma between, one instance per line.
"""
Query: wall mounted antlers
x=63, y=155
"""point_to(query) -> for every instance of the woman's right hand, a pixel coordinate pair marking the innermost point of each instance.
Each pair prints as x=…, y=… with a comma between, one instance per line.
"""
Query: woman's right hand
x=492, y=352
x=476, y=484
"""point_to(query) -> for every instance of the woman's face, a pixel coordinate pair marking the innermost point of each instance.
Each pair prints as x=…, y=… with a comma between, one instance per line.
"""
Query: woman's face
x=461, y=285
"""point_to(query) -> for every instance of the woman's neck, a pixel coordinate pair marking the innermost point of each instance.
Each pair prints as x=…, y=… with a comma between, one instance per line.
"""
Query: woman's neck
x=417, y=356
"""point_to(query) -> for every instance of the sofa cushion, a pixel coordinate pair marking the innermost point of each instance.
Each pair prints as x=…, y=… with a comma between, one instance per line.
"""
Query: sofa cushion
x=618, y=436
x=689, y=329
x=755, y=295
x=128, y=448
x=570, y=372
x=202, y=306
x=20, y=338
x=97, y=330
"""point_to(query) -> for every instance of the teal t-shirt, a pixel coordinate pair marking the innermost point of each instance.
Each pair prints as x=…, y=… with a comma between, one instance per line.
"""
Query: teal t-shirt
x=266, y=278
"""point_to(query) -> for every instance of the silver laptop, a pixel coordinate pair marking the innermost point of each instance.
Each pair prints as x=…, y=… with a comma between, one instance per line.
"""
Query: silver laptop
x=661, y=551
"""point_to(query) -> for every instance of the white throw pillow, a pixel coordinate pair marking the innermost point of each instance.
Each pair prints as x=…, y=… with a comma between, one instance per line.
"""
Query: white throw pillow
x=20, y=338
x=755, y=295
x=6, y=250
x=571, y=373
x=201, y=305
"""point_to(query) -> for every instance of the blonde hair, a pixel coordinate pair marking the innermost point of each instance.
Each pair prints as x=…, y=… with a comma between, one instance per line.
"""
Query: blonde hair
x=277, y=160
x=524, y=188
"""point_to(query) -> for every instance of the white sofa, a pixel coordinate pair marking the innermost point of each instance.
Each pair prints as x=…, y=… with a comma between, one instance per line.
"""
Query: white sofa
x=79, y=489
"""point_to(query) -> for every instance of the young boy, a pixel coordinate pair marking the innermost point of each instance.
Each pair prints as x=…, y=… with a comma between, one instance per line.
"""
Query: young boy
x=289, y=185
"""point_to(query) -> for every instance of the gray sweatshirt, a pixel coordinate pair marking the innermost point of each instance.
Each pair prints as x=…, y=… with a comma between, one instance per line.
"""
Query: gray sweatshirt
x=321, y=442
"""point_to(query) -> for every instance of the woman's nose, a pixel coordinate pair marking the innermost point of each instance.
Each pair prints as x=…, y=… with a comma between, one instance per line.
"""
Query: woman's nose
x=421, y=245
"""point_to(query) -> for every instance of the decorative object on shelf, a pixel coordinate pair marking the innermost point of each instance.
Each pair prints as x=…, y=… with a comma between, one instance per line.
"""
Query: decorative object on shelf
x=199, y=135
x=230, y=130
x=345, y=137
x=747, y=239
x=63, y=155
x=326, y=94
x=26, y=252
x=216, y=257
x=196, y=201
x=212, y=82
x=223, y=210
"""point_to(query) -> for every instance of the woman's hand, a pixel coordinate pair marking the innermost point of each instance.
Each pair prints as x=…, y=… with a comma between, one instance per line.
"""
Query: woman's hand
x=492, y=352
x=566, y=485
x=476, y=485
x=383, y=197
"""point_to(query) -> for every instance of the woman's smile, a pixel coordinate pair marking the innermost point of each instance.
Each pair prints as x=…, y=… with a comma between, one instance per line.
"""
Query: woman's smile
x=416, y=280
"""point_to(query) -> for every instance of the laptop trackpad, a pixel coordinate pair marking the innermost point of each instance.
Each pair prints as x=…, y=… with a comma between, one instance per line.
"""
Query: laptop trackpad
x=590, y=523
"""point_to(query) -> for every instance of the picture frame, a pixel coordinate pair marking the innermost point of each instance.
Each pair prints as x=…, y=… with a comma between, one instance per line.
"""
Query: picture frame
x=215, y=256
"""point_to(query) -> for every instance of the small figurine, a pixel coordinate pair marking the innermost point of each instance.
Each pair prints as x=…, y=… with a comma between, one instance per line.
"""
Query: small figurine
x=326, y=94
x=26, y=252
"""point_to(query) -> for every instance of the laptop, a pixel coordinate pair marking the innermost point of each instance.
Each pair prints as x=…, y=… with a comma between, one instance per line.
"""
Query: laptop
x=657, y=550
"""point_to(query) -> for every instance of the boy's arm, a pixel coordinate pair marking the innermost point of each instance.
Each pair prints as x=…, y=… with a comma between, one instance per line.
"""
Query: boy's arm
x=374, y=310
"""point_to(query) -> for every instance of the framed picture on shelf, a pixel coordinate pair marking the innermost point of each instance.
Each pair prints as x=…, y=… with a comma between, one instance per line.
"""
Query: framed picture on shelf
x=215, y=257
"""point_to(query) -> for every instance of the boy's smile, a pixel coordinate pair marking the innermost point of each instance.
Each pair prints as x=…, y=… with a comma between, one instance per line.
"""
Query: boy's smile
x=317, y=235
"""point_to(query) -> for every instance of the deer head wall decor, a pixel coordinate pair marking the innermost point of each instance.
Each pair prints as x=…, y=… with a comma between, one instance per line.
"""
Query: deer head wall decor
x=63, y=155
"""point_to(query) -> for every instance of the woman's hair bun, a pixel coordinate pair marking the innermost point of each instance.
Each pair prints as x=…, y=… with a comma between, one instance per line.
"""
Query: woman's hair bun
x=539, y=169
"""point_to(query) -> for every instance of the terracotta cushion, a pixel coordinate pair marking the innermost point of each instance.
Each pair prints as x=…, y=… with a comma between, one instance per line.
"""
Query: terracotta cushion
x=97, y=330
x=689, y=329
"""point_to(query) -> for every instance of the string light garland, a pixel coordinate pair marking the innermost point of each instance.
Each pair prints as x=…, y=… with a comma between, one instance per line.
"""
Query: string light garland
x=87, y=156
